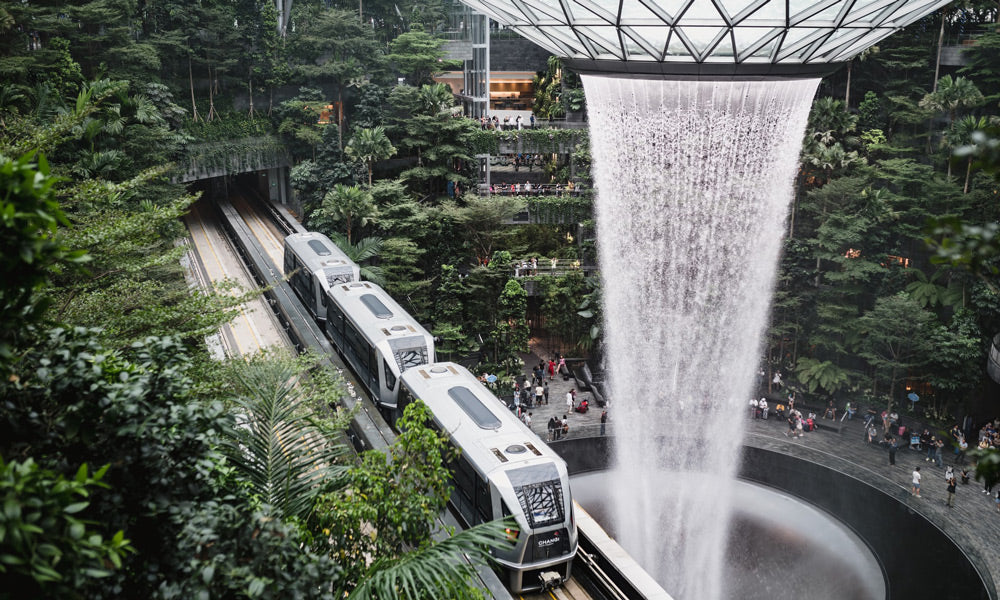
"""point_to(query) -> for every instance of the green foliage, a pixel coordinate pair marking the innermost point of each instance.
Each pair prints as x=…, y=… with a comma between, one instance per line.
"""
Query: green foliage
x=559, y=209
x=72, y=400
x=29, y=245
x=383, y=519
x=228, y=551
x=895, y=337
x=418, y=56
x=284, y=460
x=48, y=548
x=510, y=332
x=484, y=221
x=368, y=146
x=824, y=375
x=350, y=205
x=540, y=141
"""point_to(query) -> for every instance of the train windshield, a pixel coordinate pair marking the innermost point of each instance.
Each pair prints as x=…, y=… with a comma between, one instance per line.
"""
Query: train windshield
x=540, y=493
x=409, y=352
x=335, y=275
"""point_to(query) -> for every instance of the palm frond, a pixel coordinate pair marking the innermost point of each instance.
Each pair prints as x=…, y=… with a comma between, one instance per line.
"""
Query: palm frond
x=441, y=570
x=285, y=460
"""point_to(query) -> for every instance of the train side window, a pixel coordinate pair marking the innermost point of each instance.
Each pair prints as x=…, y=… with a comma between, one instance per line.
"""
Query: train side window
x=484, y=505
x=504, y=509
x=390, y=379
x=362, y=352
x=335, y=317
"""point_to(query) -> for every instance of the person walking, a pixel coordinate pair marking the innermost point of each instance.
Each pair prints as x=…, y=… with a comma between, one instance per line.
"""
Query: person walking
x=915, y=490
x=892, y=451
x=545, y=392
x=604, y=420
x=569, y=401
x=931, y=449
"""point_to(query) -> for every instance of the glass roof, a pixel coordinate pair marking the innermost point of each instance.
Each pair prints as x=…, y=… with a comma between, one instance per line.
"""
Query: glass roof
x=707, y=31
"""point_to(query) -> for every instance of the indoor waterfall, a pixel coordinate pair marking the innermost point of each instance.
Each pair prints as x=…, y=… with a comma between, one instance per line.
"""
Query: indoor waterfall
x=694, y=180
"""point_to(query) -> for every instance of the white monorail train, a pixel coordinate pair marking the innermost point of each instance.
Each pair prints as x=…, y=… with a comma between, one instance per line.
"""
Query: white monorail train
x=315, y=263
x=503, y=469
x=378, y=338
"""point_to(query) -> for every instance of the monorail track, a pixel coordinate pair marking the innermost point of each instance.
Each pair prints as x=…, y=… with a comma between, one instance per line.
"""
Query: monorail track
x=255, y=230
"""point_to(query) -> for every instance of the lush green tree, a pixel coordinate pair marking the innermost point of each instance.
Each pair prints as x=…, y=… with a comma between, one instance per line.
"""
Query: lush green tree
x=510, y=331
x=29, y=246
x=952, y=96
x=449, y=315
x=368, y=146
x=379, y=526
x=895, y=339
x=332, y=44
x=49, y=548
x=419, y=56
x=350, y=205
x=72, y=400
x=484, y=221
x=955, y=365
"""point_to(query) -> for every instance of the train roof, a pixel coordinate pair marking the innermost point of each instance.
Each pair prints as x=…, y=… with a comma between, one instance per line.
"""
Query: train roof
x=384, y=323
x=490, y=435
x=317, y=252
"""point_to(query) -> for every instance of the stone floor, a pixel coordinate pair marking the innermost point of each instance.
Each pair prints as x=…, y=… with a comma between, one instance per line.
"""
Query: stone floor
x=974, y=522
x=580, y=425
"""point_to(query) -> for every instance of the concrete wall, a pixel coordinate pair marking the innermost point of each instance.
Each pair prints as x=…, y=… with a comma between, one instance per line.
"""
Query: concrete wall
x=517, y=55
x=920, y=561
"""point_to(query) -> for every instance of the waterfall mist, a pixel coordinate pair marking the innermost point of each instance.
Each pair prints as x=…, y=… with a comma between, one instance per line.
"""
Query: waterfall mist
x=694, y=181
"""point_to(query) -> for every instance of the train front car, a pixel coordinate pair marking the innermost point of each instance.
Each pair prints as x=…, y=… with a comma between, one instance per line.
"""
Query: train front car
x=503, y=469
x=377, y=337
x=318, y=264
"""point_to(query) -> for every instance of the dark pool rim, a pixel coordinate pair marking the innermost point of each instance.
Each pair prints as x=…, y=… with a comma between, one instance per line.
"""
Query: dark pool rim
x=918, y=558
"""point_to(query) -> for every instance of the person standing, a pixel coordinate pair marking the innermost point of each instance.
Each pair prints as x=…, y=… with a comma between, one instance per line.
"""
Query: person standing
x=951, y=493
x=539, y=394
x=753, y=408
x=931, y=449
x=527, y=420
x=892, y=451
x=938, y=456
x=604, y=420
x=552, y=362
x=915, y=490
x=762, y=405
x=545, y=392
x=569, y=401
x=963, y=446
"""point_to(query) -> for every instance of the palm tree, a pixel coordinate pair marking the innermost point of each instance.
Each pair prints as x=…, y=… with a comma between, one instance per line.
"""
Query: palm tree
x=283, y=458
x=365, y=250
x=951, y=96
x=368, y=146
x=960, y=135
x=351, y=204
x=435, y=98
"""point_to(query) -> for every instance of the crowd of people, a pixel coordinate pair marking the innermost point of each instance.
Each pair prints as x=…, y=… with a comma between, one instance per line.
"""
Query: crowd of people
x=886, y=430
x=533, y=189
x=498, y=124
